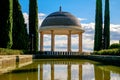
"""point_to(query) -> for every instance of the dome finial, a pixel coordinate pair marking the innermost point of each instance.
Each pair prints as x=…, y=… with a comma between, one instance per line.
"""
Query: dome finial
x=60, y=9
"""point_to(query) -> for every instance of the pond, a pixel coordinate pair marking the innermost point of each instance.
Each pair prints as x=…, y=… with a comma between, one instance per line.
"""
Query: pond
x=63, y=69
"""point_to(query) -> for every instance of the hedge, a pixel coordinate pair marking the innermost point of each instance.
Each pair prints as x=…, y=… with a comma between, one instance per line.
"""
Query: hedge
x=4, y=51
x=115, y=52
x=115, y=45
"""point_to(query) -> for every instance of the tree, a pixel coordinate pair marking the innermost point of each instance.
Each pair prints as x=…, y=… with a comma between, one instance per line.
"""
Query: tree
x=98, y=26
x=107, y=25
x=33, y=25
x=6, y=23
x=20, y=36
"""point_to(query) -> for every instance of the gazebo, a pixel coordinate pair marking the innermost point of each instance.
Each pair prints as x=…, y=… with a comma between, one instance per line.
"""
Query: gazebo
x=61, y=23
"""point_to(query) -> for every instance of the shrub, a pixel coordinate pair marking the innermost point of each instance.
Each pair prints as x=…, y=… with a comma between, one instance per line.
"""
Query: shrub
x=108, y=52
x=115, y=45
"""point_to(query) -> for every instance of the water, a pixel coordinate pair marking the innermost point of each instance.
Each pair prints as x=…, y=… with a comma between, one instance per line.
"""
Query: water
x=63, y=69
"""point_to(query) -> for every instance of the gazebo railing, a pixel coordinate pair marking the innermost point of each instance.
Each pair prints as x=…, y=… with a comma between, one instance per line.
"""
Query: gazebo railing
x=58, y=53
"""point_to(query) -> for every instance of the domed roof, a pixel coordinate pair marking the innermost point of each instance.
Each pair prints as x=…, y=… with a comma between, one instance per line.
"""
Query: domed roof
x=60, y=19
x=61, y=23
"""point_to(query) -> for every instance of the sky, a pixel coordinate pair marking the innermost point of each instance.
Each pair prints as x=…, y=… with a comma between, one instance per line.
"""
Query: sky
x=84, y=10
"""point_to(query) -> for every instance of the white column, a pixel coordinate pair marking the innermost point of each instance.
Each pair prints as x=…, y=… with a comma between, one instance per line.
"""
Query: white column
x=69, y=41
x=52, y=40
x=41, y=41
x=80, y=42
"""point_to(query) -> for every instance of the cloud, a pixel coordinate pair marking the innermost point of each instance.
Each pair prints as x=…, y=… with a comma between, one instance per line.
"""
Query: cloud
x=81, y=19
x=41, y=14
x=88, y=35
x=41, y=17
x=88, y=38
x=26, y=16
x=115, y=32
x=115, y=28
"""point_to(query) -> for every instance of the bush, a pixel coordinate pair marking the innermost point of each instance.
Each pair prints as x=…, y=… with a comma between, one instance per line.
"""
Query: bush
x=4, y=51
x=115, y=45
x=108, y=52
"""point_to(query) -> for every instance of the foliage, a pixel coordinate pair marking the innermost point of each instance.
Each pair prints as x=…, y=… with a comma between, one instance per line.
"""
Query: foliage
x=108, y=52
x=98, y=26
x=107, y=25
x=4, y=51
x=33, y=25
x=6, y=23
x=115, y=45
x=20, y=36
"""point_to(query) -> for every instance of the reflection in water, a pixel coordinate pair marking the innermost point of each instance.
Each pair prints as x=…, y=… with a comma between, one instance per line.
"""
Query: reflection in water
x=38, y=72
x=60, y=72
x=115, y=76
x=52, y=71
x=69, y=72
x=64, y=70
x=88, y=72
x=41, y=71
x=80, y=72
x=103, y=75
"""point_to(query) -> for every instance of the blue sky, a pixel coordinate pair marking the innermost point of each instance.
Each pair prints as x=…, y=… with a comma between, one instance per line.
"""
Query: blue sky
x=80, y=8
x=84, y=10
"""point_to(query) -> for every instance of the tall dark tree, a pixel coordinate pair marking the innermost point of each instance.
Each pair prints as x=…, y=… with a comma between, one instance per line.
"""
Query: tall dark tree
x=98, y=26
x=6, y=23
x=33, y=25
x=20, y=36
x=107, y=25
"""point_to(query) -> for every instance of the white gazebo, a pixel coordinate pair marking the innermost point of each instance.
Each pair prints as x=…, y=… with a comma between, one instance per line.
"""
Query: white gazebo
x=61, y=23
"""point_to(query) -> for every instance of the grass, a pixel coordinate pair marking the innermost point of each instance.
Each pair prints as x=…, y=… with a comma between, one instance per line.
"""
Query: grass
x=4, y=51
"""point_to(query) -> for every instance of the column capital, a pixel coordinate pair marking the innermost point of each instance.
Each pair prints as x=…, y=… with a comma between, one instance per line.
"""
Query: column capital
x=41, y=32
x=52, y=31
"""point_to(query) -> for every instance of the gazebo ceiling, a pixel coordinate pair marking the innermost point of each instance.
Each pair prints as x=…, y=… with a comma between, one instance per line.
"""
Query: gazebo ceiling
x=62, y=30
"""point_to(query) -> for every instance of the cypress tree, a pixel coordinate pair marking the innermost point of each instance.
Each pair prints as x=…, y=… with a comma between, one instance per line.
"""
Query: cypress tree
x=33, y=25
x=6, y=23
x=106, y=25
x=98, y=26
x=20, y=36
